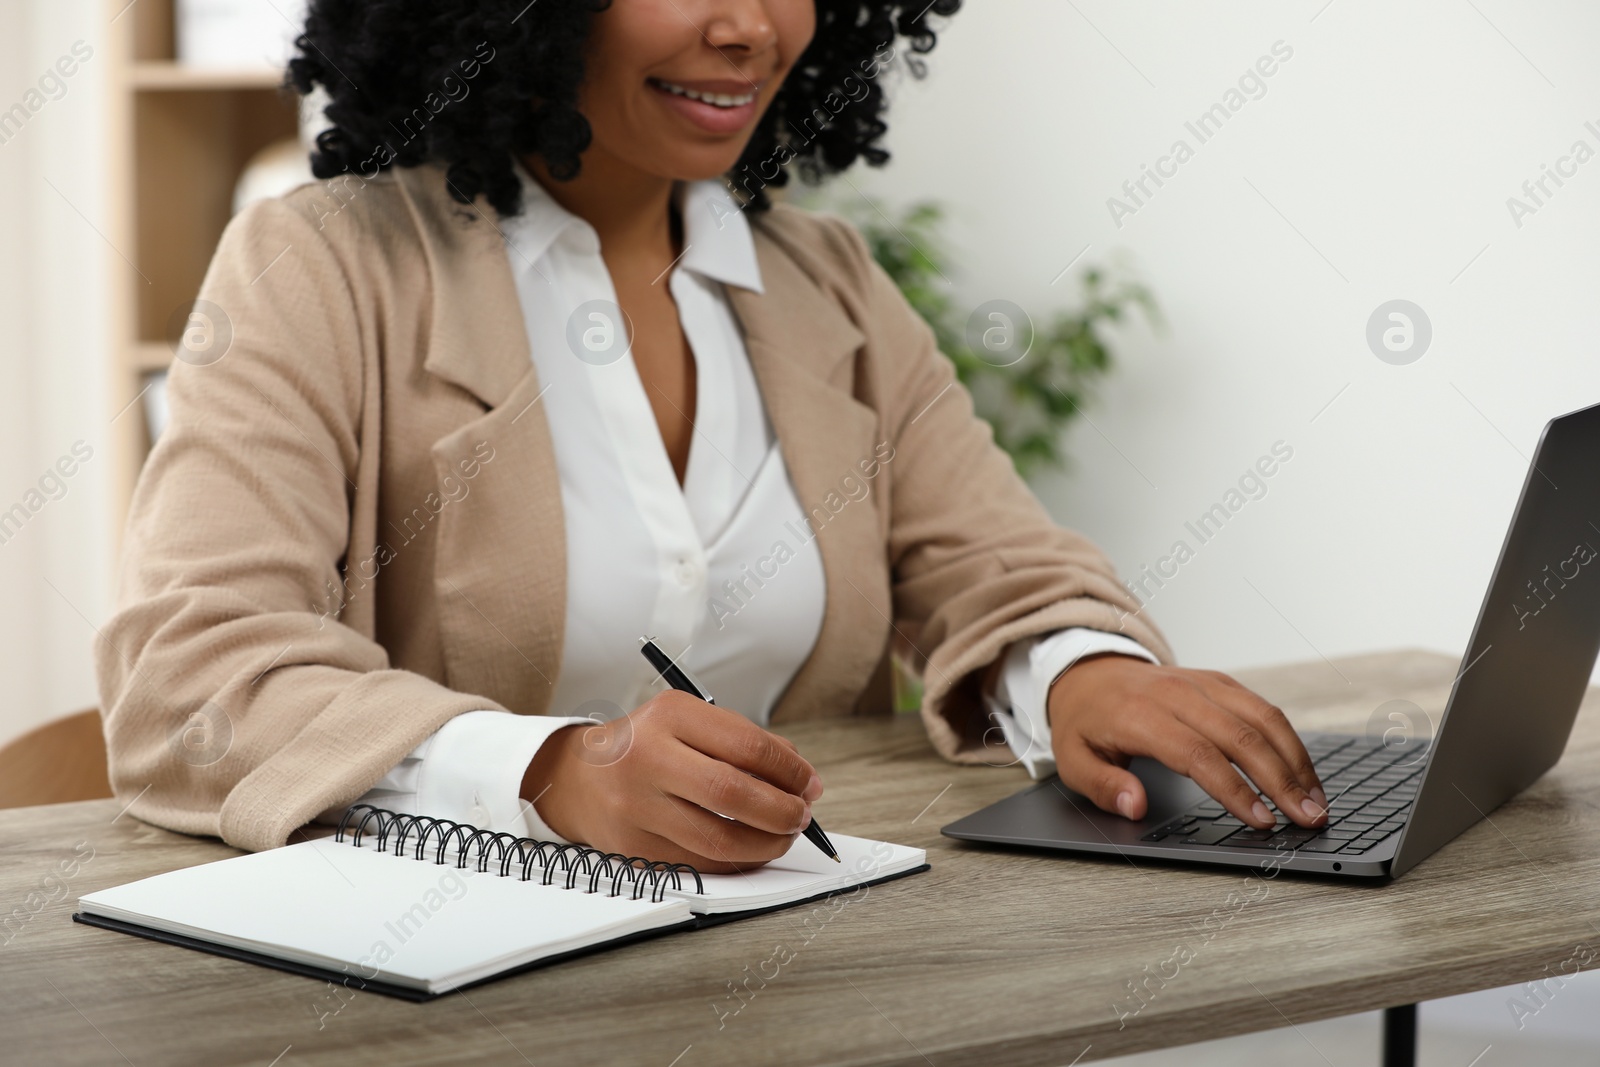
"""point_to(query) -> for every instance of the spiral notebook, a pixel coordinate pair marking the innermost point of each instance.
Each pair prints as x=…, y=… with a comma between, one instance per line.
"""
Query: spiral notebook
x=416, y=907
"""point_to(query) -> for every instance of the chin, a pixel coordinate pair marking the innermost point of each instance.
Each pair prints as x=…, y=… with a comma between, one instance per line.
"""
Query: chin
x=694, y=166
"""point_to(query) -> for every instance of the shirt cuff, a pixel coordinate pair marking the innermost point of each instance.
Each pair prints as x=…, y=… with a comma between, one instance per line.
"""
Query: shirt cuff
x=1019, y=703
x=470, y=770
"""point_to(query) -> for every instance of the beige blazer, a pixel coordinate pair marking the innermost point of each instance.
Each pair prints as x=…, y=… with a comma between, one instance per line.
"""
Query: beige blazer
x=351, y=530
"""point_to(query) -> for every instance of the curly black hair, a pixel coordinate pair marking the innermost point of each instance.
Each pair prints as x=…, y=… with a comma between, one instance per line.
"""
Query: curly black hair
x=475, y=84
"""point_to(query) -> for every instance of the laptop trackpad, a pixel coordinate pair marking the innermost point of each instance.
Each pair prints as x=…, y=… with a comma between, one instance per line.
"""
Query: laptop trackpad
x=1169, y=792
x=1053, y=814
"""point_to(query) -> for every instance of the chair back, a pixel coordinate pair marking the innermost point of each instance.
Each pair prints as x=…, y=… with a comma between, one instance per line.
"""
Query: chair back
x=61, y=761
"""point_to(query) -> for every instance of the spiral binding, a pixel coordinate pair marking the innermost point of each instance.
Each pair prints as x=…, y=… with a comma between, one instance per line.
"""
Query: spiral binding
x=643, y=875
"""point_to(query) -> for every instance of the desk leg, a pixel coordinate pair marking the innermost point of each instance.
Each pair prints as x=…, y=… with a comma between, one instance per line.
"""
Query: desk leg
x=1400, y=1036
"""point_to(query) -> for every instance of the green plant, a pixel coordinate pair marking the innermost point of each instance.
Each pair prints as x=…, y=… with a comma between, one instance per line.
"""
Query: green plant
x=1028, y=401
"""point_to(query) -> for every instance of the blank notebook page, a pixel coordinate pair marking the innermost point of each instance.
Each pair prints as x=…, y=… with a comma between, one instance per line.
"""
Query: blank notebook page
x=803, y=872
x=419, y=924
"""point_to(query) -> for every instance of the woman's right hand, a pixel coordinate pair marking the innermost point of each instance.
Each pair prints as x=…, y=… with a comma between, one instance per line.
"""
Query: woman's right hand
x=657, y=783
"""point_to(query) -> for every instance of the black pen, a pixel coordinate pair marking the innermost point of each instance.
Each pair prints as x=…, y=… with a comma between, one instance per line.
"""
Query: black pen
x=679, y=679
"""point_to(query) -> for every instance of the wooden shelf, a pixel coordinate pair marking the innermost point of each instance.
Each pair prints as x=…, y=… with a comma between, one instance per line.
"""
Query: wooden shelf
x=189, y=150
x=161, y=75
x=149, y=356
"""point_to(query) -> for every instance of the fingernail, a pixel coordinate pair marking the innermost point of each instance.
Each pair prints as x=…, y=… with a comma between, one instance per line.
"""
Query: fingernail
x=1125, y=804
x=805, y=820
x=1259, y=810
x=1313, y=810
x=813, y=788
x=1319, y=796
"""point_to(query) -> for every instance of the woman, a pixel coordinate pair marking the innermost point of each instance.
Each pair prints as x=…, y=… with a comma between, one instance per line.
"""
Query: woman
x=524, y=380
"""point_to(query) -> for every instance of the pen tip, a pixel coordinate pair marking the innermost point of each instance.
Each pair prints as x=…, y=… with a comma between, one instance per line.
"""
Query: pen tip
x=836, y=859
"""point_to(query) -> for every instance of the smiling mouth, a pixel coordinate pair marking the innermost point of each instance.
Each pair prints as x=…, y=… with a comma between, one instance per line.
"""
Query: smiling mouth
x=722, y=100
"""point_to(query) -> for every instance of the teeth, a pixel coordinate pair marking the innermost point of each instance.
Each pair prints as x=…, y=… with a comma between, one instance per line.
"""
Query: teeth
x=714, y=99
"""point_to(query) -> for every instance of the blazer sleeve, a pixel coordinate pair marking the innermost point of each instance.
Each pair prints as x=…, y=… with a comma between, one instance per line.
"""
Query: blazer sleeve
x=976, y=561
x=236, y=701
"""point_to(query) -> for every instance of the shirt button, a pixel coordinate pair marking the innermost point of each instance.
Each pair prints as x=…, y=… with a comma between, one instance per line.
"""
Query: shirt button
x=686, y=572
x=478, y=816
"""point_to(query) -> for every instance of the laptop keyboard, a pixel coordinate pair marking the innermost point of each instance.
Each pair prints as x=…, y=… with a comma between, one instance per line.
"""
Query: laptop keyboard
x=1370, y=788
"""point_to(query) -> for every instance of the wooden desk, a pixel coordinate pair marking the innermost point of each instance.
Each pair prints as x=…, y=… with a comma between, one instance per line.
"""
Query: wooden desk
x=989, y=959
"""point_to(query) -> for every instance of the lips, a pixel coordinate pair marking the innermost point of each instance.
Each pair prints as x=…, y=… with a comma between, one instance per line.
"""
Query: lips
x=716, y=107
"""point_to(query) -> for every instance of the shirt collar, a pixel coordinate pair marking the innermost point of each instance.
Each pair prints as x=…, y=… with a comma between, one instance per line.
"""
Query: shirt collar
x=541, y=221
x=716, y=235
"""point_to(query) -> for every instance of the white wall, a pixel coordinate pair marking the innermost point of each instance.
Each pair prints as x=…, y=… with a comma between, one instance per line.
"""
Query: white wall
x=1390, y=140
x=54, y=573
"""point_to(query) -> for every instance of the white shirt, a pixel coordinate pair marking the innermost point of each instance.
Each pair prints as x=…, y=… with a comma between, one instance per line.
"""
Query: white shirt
x=645, y=556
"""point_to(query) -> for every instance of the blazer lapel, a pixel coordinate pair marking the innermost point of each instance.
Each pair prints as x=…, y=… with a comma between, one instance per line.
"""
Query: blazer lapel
x=801, y=345
x=500, y=564
x=472, y=342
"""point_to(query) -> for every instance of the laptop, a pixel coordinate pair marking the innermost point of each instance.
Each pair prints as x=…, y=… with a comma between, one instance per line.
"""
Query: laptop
x=1391, y=805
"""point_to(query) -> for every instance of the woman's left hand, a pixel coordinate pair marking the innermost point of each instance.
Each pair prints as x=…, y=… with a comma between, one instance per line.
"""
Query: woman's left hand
x=1109, y=708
